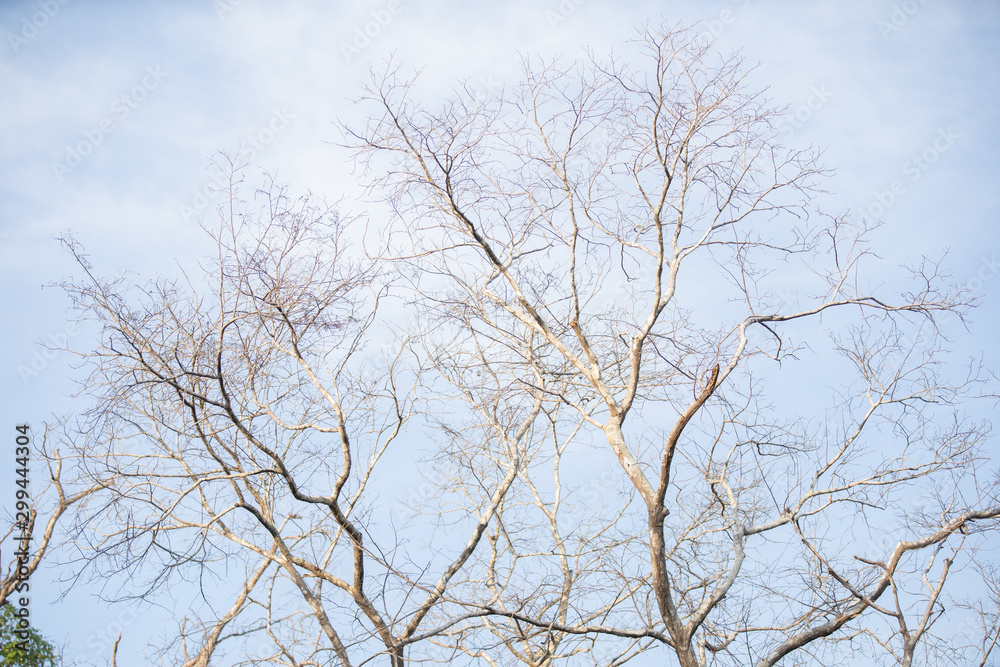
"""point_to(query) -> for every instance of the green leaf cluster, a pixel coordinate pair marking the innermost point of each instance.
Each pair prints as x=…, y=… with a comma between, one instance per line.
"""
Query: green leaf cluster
x=31, y=650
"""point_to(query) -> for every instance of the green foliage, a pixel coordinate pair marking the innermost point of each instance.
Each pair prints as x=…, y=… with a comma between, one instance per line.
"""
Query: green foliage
x=28, y=650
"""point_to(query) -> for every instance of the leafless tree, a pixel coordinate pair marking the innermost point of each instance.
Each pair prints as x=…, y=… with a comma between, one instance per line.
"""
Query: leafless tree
x=238, y=424
x=642, y=443
x=613, y=239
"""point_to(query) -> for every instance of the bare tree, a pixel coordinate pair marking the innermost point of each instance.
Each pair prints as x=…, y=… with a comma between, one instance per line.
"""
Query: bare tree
x=238, y=425
x=642, y=443
x=604, y=237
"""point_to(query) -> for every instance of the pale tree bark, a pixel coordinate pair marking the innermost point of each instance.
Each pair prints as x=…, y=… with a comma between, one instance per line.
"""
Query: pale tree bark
x=523, y=208
x=240, y=421
x=542, y=554
x=636, y=443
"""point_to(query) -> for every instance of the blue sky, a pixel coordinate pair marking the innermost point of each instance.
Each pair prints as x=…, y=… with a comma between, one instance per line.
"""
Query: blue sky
x=901, y=96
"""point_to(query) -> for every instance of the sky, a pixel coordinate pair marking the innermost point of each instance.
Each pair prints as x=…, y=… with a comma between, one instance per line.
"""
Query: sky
x=112, y=114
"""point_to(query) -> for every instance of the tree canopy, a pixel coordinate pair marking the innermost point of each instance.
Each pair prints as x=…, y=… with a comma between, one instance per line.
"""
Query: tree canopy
x=635, y=447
